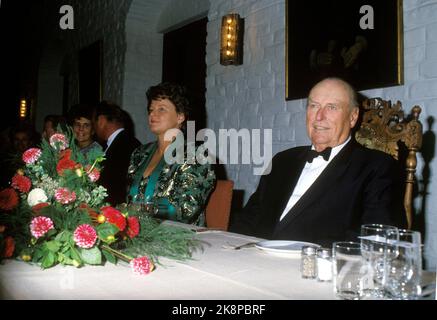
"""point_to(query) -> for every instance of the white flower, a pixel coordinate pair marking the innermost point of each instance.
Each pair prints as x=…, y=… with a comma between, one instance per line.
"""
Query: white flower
x=59, y=141
x=36, y=196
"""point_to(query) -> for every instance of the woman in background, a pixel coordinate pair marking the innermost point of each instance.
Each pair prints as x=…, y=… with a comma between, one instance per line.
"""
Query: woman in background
x=80, y=118
x=50, y=126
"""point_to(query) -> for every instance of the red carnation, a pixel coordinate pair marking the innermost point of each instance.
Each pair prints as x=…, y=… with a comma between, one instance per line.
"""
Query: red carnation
x=21, y=183
x=85, y=236
x=64, y=195
x=31, y=155
x=114, y=216
x=65, y=154
x=9, y=249
x=8, y=199
x=133, y=227
x=40, y=226
x=65, y=164
x=142, y=265
x=36, y=208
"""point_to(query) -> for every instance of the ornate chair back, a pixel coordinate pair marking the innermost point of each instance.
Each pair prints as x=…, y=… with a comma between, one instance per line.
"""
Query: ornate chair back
x=384, y=126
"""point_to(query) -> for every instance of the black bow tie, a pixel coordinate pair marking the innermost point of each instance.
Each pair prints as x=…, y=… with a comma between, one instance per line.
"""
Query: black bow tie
x=314, y=154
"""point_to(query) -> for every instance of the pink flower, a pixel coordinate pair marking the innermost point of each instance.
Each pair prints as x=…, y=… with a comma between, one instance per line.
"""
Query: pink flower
x=40, y=226
x=64, y=196
x=31, y=155
x=142, y=265
x=94, y=175
x=85, y=236
x=21, y=183
x=58, y=141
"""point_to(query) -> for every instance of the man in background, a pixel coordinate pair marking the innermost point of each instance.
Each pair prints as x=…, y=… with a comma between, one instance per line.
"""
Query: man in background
x=110, y=123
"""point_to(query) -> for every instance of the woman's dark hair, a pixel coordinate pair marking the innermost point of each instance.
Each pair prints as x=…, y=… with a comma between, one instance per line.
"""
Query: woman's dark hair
x=80, y=111
x=176, y=93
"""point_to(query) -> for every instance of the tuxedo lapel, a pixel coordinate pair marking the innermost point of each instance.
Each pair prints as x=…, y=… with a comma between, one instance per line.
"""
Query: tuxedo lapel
x=281, y=186
x=286, y=182
x=323, y=183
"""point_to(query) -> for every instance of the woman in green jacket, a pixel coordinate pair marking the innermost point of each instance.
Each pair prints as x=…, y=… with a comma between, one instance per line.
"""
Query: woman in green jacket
x=178, y=190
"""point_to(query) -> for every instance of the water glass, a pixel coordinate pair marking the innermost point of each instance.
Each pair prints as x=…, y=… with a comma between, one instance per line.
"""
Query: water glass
x=374, y=250
x=348, y=270
x=150, y=208
x=142, y=207
x=404, y=268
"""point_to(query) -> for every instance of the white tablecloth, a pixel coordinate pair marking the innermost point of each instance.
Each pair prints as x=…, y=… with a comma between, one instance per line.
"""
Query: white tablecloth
x=218, y=272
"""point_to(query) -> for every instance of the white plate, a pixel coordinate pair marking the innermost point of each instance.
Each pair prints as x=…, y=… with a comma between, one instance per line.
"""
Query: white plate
x=283, y=248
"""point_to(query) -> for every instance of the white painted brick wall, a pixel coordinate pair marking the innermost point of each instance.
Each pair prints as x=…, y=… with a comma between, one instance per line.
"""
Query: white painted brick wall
x=256, y=89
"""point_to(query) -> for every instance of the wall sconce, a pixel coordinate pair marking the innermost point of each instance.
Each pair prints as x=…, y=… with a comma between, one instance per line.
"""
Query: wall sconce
x=23, y=108
x=231, y=45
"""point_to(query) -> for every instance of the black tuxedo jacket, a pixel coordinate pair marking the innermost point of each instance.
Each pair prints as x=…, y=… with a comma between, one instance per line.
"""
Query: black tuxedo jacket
x=358, y=186
x=114, y=174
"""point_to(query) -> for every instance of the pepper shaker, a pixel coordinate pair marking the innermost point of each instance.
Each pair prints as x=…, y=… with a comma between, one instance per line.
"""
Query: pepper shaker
x=308, y=262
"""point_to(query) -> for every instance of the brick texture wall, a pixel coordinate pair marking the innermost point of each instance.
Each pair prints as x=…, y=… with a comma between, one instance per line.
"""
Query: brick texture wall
x=253, y=96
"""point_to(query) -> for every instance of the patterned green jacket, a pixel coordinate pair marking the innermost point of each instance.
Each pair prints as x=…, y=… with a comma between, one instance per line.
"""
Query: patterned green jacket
x=181, y=190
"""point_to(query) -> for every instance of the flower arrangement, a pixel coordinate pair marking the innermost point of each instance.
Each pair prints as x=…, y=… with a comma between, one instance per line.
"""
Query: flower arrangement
x=54, y=212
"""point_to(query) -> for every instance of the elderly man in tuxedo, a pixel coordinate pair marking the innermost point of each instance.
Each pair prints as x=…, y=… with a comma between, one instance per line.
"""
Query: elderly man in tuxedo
x=323, y=193
x=112, y=127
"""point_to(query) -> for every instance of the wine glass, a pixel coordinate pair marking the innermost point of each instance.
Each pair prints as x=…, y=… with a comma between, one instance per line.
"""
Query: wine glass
x=404, y=269
x=374, y=251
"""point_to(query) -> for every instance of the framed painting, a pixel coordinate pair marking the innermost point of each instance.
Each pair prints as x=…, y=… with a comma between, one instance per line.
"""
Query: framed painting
x=90, y=73
x=360, y=41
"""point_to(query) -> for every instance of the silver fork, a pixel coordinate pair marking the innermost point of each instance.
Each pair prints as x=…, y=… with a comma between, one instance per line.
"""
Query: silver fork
x=246, y=245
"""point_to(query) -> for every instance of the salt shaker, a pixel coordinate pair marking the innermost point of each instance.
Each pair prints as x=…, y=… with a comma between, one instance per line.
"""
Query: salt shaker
x=324, y=264
x=308, y=262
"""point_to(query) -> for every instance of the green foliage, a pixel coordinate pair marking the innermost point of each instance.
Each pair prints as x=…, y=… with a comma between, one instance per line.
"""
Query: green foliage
x=109, y=257
x=156, y=239
x=107, y=230
x=91, y=256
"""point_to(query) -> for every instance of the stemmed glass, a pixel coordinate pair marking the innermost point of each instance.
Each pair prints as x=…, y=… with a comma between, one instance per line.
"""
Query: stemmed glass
x=403, y=270
x=142, y=207
x=374, y=251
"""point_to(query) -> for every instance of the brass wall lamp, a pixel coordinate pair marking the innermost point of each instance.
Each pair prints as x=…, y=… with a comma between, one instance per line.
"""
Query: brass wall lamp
x=231, y=44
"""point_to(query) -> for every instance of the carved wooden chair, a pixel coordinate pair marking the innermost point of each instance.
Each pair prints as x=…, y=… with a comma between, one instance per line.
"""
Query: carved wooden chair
x=218, y=208
x=383, y=127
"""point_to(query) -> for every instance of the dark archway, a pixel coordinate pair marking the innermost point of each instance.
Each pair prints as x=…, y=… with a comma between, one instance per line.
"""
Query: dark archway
x=184, y=63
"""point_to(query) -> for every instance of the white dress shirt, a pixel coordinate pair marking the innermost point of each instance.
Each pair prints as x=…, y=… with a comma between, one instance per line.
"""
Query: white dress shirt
x=309, y=174
x=112, y=137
